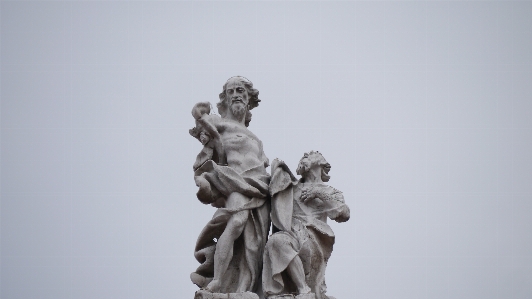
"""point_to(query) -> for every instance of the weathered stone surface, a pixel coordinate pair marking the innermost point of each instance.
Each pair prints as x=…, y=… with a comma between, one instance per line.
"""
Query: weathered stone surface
x=304, y=243
x=290, y=296
x=285, y=296
x=230, y=172
x=202, y=294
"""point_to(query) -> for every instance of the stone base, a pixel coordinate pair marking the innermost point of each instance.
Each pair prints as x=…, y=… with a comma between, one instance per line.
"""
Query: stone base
x=289, y=296
x=202, y=294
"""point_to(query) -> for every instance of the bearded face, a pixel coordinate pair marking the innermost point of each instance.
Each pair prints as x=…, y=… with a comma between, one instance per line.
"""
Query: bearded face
x=237, y=98
x=238, y=110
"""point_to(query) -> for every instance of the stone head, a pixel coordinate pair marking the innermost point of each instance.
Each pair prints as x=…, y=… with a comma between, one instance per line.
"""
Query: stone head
x=311, y=161
x=238, y=97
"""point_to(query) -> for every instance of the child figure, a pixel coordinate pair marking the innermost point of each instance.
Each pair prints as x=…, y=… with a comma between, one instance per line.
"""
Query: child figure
x=296, y=255
x=208, y=136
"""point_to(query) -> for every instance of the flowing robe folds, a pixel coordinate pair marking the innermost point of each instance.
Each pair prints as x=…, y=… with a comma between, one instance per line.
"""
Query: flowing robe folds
x=302, y=231
x=248, y=248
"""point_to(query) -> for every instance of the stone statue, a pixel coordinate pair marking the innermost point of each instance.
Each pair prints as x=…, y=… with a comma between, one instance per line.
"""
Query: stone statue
x=230, y=172
x=237, y=261
x=296, y=254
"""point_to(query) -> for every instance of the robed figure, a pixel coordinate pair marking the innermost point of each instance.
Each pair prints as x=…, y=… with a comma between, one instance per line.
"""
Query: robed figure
x=231, y=175
x=296, y=254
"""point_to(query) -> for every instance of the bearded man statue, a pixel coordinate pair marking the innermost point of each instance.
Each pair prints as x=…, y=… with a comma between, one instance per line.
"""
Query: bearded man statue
x=231, y=175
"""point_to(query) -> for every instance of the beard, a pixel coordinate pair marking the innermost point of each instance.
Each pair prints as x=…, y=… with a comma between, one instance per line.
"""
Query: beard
x=239, y=111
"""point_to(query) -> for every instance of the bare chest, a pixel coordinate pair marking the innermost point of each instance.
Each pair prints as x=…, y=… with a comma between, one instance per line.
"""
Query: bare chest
x=240, y=139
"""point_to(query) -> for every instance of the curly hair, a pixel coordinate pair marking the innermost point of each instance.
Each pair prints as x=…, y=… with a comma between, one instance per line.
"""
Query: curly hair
x=253, y=98
x=314, y=157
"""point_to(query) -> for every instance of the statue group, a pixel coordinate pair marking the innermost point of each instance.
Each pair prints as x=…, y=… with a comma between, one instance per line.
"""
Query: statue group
x=238, y=258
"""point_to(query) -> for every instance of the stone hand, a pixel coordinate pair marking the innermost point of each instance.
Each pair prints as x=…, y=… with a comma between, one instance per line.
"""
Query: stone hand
x=343, y=214
x=310, y=192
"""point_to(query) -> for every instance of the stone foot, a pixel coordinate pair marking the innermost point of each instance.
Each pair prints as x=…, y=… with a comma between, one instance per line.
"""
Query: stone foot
x=199, y=280
x=213, y=286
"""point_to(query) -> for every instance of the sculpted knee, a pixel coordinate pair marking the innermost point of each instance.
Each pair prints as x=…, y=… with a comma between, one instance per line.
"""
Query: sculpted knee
x=278, y=240
x=239, y=220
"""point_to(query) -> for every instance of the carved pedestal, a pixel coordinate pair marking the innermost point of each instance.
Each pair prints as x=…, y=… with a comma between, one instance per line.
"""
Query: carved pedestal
x=300, y=296
x=231, y=170
x=201, y=294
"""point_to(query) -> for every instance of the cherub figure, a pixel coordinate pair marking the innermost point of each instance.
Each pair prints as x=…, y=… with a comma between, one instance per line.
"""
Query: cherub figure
x=209, y=138
x=296, y=254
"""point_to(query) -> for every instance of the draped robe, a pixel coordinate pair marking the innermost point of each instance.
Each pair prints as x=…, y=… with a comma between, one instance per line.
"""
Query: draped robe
x=248, y=248
x=301, y=231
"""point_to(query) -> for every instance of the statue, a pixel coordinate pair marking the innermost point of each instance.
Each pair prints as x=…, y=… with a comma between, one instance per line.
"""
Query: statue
x=237, y=261
x=231, y=175
x=296, y=255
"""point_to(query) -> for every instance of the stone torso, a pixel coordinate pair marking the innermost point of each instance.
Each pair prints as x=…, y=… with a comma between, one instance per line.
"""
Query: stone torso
x=242, y=148
x=312, y=207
